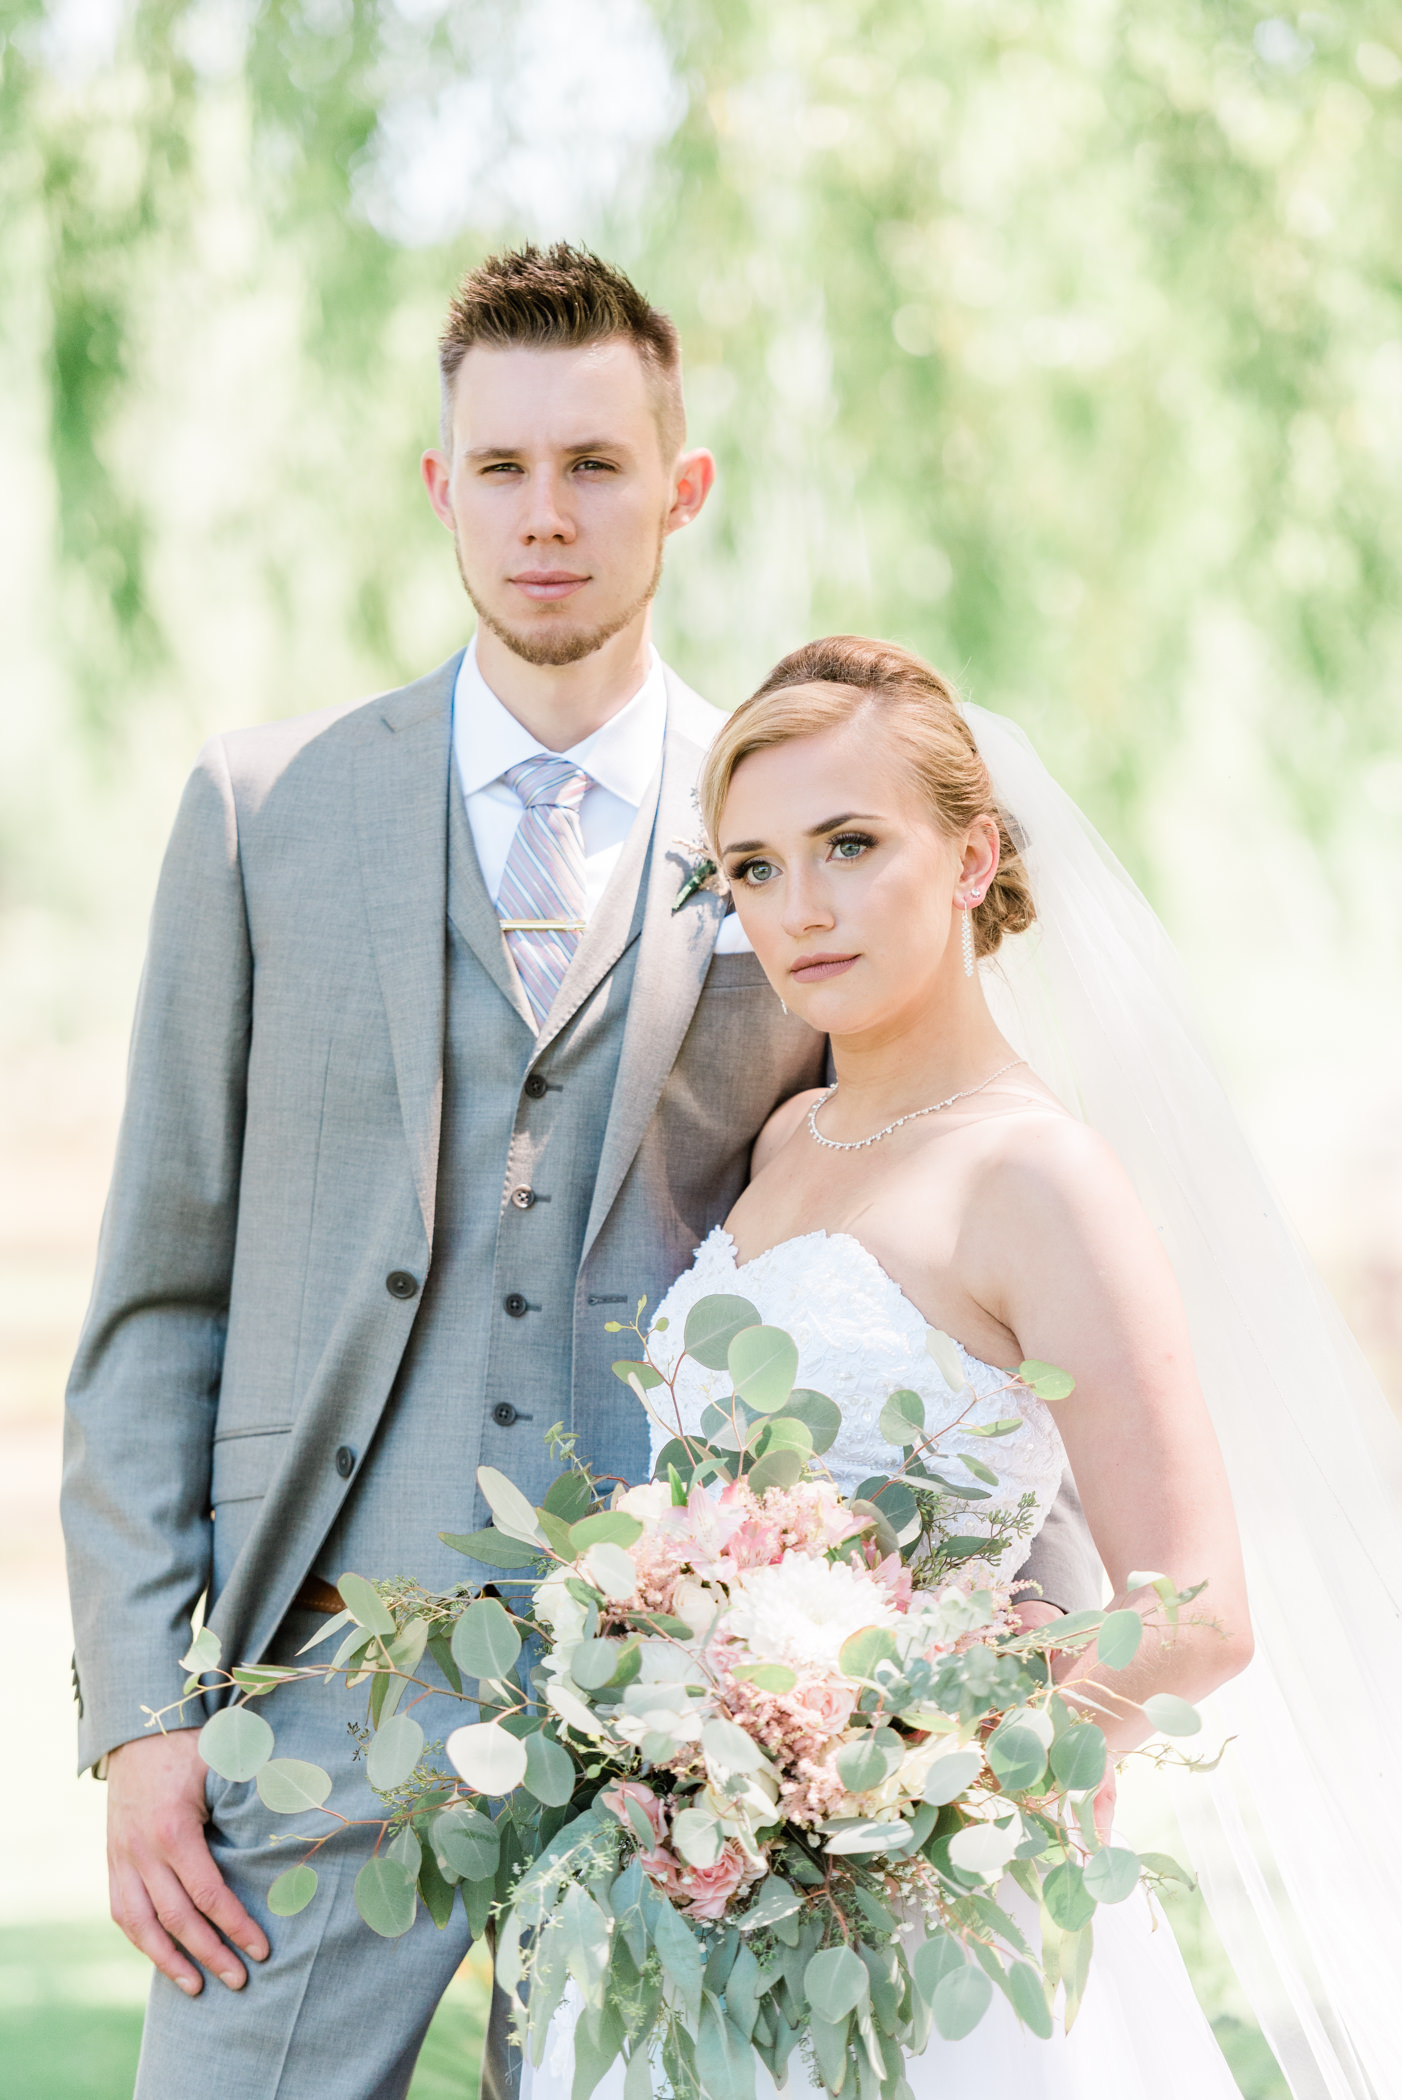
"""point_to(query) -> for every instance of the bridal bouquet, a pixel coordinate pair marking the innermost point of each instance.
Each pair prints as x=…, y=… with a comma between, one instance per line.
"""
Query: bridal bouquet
x=756, y=1766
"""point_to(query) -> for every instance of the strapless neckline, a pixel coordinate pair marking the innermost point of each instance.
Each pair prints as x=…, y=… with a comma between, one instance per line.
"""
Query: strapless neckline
x=799, y=1239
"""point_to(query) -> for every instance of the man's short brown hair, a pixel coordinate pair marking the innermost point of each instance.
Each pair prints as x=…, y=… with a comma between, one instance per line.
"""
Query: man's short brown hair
x=562, y=298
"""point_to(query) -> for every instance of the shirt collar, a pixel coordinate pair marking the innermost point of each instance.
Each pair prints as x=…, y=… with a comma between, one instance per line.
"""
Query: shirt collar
x=622, y=756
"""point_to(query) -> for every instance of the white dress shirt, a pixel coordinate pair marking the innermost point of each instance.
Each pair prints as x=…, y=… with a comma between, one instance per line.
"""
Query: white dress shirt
x=621, y=760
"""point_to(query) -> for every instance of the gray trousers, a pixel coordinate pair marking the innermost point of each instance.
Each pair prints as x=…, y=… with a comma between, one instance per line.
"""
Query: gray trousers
x=335, y=2010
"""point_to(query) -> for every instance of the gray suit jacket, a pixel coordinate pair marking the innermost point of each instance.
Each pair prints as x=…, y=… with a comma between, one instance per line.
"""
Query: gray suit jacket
x=300, y=912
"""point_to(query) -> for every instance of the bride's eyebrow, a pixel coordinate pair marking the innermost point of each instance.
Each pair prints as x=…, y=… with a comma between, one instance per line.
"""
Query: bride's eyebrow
x=815, y=831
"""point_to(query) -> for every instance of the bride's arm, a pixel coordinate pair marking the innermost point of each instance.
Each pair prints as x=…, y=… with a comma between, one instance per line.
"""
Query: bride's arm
x=1061, y=1252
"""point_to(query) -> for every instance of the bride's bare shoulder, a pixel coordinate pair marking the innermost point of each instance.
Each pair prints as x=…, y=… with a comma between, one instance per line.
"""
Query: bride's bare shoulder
x=1046, y=1158
x=781, y=1126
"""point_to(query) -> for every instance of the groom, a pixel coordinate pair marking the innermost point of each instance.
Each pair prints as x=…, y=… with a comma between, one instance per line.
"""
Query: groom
x=444, y=1055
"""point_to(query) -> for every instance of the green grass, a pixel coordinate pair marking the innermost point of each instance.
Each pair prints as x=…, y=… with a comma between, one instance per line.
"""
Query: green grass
x=71, y=1999
x=71, y=2003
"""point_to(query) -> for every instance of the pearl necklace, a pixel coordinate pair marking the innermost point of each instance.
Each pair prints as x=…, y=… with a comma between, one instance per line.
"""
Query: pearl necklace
x=856, y=1144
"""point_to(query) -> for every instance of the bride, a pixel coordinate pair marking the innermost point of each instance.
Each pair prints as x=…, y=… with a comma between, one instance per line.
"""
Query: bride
x=890, y=854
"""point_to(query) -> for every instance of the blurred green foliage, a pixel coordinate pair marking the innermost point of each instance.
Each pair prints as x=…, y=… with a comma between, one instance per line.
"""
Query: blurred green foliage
x=1060, y=338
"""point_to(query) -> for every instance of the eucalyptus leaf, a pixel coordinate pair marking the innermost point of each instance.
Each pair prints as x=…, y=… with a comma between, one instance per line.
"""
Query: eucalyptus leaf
x=513, y=1513
x=1112, y=1873
x=960, y=2001
x=550, y=1770
x=712, y=1325
x=485, y=1640
x=386, y=1897
x=763, y=1365
x=365, y=1604
x=935, y=1958
x=1078, y=1758
x=394, y=1751
x=235, y=1742
x=203, y=1652
x=1005, y=1426
x=406, y=1848
x=1016, y=1758
x=836, y=1980
x=948, y=1358
x=977, y=1467
x=630, y=1370
x=466, y=1842
x=766, y=1677
x=1118, y=1641
x=491, y=1761
x=292, y=1891
x=822, y=1416
x=492, y=1547
x=863, y=1764
x=902, y=1419
x=725, y=2063
x=615, y=1525
x=288, y=1786
x=874, y=1835
x=774, y=1899
x=610, y=1569
x=862, y=1651
x=950, y=1774
x=1069, y=1901
x=730, y=1747
x=777, y=1469
x=697, y=1836
x=1045, y=1380
x=1171, y=1715
x=1029, y=1999
x=786, y=1433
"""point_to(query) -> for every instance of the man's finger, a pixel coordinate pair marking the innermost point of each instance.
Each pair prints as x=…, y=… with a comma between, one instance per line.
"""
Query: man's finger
x=191, y=1862
x=178, y=1916
x=131, y=1909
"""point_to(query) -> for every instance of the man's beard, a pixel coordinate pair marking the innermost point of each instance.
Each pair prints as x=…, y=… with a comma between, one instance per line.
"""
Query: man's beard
x=564, y=645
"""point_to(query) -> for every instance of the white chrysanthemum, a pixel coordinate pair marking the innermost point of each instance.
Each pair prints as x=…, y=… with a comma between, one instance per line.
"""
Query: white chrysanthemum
x=800, y=1611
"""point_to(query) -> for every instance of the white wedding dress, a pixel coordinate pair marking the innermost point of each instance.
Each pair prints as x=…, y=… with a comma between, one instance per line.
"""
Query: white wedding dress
x=1140, y=2033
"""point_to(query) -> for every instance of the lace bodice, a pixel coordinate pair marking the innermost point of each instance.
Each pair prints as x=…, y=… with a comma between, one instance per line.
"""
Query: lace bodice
x=859, y=1340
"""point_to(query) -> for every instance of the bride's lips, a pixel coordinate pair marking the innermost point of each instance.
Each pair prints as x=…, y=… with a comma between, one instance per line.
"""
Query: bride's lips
x=545, y=585
x=811, y=969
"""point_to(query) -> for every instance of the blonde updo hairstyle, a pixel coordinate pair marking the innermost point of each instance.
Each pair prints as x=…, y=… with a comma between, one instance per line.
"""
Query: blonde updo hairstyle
x=828, y=683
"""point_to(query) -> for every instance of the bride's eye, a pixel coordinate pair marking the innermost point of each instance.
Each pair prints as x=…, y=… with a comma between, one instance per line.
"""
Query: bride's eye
x=753, y=872
x=851, y=845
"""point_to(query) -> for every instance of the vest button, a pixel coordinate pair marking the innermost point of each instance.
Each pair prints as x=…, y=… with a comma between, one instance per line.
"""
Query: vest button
x=400, y=1284
x=535, y=1087
x=345, y=1461
x=504, y=1414
x=523, y=1198
x=516, y=1305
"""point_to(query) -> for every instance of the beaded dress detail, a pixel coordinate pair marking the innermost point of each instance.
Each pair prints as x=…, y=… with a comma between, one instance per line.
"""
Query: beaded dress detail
x=859, y=1340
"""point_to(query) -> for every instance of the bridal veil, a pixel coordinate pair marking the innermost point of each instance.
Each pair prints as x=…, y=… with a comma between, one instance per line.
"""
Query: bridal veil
x=1295, y=1837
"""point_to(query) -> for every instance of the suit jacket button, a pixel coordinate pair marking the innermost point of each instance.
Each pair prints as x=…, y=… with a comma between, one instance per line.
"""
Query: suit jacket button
x=523, y=1198
x=400, y=1284
x=503, y=1414
x=535, y=1087
x=345, y=1461
x=516, y=1305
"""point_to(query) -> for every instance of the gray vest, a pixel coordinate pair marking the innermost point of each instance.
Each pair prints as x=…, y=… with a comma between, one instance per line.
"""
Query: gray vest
x=489, y=1365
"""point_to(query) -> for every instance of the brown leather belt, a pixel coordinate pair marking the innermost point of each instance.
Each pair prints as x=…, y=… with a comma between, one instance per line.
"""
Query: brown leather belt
x=316, y=1595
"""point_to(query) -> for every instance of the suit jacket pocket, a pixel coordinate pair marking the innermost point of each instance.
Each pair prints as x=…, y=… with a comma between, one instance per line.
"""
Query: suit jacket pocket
x=245, y=1461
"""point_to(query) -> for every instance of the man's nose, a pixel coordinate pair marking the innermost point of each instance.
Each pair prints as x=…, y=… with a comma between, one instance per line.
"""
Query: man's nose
x=546, y=517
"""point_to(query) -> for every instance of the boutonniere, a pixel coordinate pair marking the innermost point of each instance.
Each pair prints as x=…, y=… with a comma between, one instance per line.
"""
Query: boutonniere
x=701, y=872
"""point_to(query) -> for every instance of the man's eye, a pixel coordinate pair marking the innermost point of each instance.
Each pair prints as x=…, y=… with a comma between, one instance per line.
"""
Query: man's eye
x=502, y=466
x=598, y=466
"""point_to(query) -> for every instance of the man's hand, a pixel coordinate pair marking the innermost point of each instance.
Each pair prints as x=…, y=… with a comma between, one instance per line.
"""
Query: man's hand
x=164, y=1885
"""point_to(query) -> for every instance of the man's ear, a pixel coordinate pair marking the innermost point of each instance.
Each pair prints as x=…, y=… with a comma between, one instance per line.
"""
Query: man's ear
x=437, y=474
x=693, y=478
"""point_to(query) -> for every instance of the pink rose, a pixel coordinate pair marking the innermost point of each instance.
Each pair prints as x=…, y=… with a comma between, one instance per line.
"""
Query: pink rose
x=618, y=1796
x=711, y=1888
x=825, y=1708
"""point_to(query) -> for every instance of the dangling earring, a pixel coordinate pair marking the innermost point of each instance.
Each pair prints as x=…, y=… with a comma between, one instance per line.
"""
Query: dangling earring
x=782, y=1008
x=966, y=935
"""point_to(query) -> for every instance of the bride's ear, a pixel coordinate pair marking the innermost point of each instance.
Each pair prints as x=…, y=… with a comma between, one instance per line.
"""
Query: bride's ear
x=980, y=861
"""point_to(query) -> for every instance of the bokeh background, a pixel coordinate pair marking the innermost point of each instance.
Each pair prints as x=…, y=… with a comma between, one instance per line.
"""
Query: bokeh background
x=1059, y=338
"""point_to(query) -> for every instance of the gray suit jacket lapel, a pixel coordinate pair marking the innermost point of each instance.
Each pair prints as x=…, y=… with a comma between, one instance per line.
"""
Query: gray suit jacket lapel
x=401, y=805
x=675, y=954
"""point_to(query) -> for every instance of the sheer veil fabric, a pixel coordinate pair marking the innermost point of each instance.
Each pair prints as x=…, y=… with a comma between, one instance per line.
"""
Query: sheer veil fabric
x=1295, y=1837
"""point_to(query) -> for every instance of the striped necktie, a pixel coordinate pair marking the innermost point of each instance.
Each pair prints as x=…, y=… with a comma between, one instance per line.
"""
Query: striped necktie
x=541, y=899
